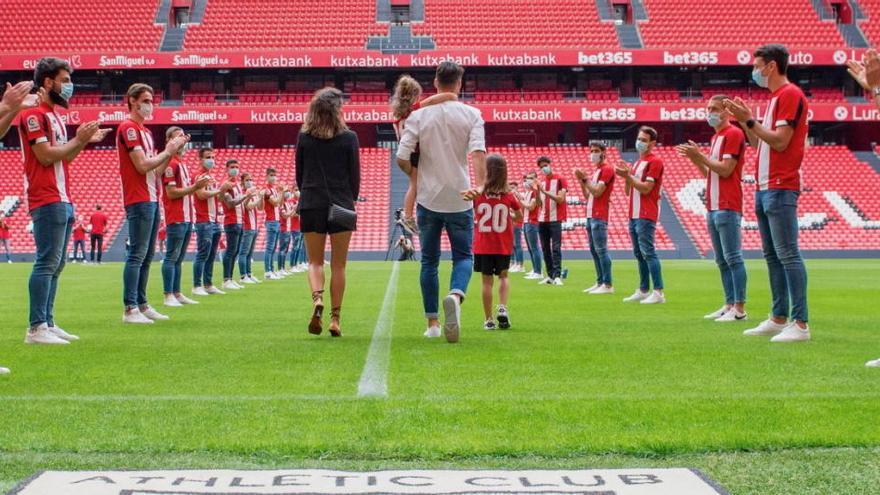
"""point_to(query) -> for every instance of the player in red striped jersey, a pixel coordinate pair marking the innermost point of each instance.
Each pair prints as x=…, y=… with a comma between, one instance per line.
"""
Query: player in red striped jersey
x=233, y=209
x=597, y=189
x=643, y=183
x=249, y=230
x=48, y=154
x=273, y=197
x=180, y=214
x=530, y=199
x=781, y=140
x=552, y=189
x=208, y=226
x=724, y=204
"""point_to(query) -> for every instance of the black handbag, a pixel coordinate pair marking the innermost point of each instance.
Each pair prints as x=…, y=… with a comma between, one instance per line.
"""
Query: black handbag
x=339, y=216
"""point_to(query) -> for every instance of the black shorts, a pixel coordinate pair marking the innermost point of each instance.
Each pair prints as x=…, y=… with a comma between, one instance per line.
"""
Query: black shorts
x=491, y=264
x=315, y=221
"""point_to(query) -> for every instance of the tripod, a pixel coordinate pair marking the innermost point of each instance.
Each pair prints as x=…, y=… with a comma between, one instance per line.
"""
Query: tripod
x=396, y=231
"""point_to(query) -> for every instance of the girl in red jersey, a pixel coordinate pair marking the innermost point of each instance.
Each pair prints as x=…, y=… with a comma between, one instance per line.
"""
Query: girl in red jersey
x=405, y=101
x=496, y=210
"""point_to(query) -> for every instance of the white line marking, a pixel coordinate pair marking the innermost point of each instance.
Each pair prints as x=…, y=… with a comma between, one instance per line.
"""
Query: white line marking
x=374, y=378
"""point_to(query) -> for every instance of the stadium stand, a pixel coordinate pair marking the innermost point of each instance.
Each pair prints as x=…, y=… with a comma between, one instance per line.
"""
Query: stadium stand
x=672, y=23
x=514, y=23
x=88, y=26
x=838, y=209
x=282, y=24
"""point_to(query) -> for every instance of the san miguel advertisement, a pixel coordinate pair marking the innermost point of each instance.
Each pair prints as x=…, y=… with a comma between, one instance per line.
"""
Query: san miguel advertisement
x=561, y=112
x=468, y=58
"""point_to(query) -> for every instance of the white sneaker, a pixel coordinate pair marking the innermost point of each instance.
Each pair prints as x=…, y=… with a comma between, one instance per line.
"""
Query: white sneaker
x=230, y=285
x=557, y=281
x=546, y=281
x=185, y=300
x=793, y=333
x=637, y=296
x=61, y=334
x=870, y=364
x=592, y=288
x=533, y=276
x=214, y=291
x=714, y=315
x=656, y=297
x=604, y=289
x=172, y=301
x=270, y=276
x=432, y=332
x=254, y=279
x=135, y=316
x=503, y=317
x=42, y=335
x=452, y=321
x=767, y=328
x=300, y=269
x=489, y=324
x=246, y=280
x=238, y=284
x=4, y=371
x=199, y=291
x=153, y=314
x=732, y=315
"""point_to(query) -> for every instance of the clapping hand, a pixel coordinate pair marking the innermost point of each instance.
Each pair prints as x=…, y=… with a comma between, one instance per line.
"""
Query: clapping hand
x=176, y=144
x=738, y=108
x=18, y=97
x=580, y=174
x=867, y=72
x=622, y=169
x=690, y=151
x=99, y=135
x=85, y=132
x=471, y=194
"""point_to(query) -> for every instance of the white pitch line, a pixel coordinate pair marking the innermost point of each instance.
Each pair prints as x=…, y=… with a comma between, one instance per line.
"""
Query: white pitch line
x=374, y=378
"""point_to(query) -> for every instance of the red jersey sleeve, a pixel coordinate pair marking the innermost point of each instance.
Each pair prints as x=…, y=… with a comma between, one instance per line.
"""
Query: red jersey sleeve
x=790, y=108
x=130, y=136
x=34, y=125
x=734, y=144
x=512, y=202
x=172, y=174
x=655, y=170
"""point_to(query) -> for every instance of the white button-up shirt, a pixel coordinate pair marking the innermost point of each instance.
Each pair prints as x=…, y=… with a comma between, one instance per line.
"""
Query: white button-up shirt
x=446, y=134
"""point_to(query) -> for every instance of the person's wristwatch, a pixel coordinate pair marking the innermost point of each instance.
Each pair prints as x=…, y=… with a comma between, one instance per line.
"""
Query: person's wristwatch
x=750, y=123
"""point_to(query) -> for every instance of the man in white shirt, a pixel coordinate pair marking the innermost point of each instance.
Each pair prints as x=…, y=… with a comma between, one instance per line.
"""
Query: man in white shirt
x=446, y=133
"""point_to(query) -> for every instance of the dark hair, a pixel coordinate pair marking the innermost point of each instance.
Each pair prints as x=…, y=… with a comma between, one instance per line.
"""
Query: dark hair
x=202, y=151
x=245, y=174
x=231, y=162
x=135, y=91
x=650, y=131
x=449, y=73
x=98, y=207
x=544, y=159
x=49, y=67
x=774, y=53
x=598, y=144
x=270, y=171
x=324, y=118
x=496, y=175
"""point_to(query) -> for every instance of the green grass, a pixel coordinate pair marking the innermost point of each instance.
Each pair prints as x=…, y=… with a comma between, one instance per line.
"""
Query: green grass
x=580, y=381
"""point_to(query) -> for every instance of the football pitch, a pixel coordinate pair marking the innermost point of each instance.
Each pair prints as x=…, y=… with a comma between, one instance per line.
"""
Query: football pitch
x=579, y=381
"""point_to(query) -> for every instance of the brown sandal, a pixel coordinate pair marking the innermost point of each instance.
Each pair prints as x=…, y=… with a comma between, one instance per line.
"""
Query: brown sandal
x=315, y=325
x=335, y=331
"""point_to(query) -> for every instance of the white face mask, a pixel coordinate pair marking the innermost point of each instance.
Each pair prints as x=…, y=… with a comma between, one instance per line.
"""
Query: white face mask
x=145, y=110
x=596, y=158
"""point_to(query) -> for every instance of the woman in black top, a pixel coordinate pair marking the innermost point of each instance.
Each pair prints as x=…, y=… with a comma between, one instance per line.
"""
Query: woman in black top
x=328, y=170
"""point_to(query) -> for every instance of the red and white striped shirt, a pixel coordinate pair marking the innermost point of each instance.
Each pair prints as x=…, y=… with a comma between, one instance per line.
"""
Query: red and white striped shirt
x=725, y=193
x=551, y=211
x=273, y=212
x=136, y=187
x=44, y=185
x=782, y=169
x=598, y=207
x=646, y=206
x=234, y=215
x=249, y=217
x=178, y=210
x=206, y=209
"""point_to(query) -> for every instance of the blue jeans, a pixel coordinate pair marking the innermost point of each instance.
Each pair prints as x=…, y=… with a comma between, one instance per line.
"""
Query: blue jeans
x=531, y=231
x=517, y=245
x=143, y=227
x=207, y=242
x=777, y=221
x=642, y=234
x=460, y=231
x=296, y=240
x=273, y=228
x=282, y=249
x=81, y=247
x=248, y=241
x=233, y=244
x=724, y=229
x=597, y=232
x=53, y=224
x=176, y=245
